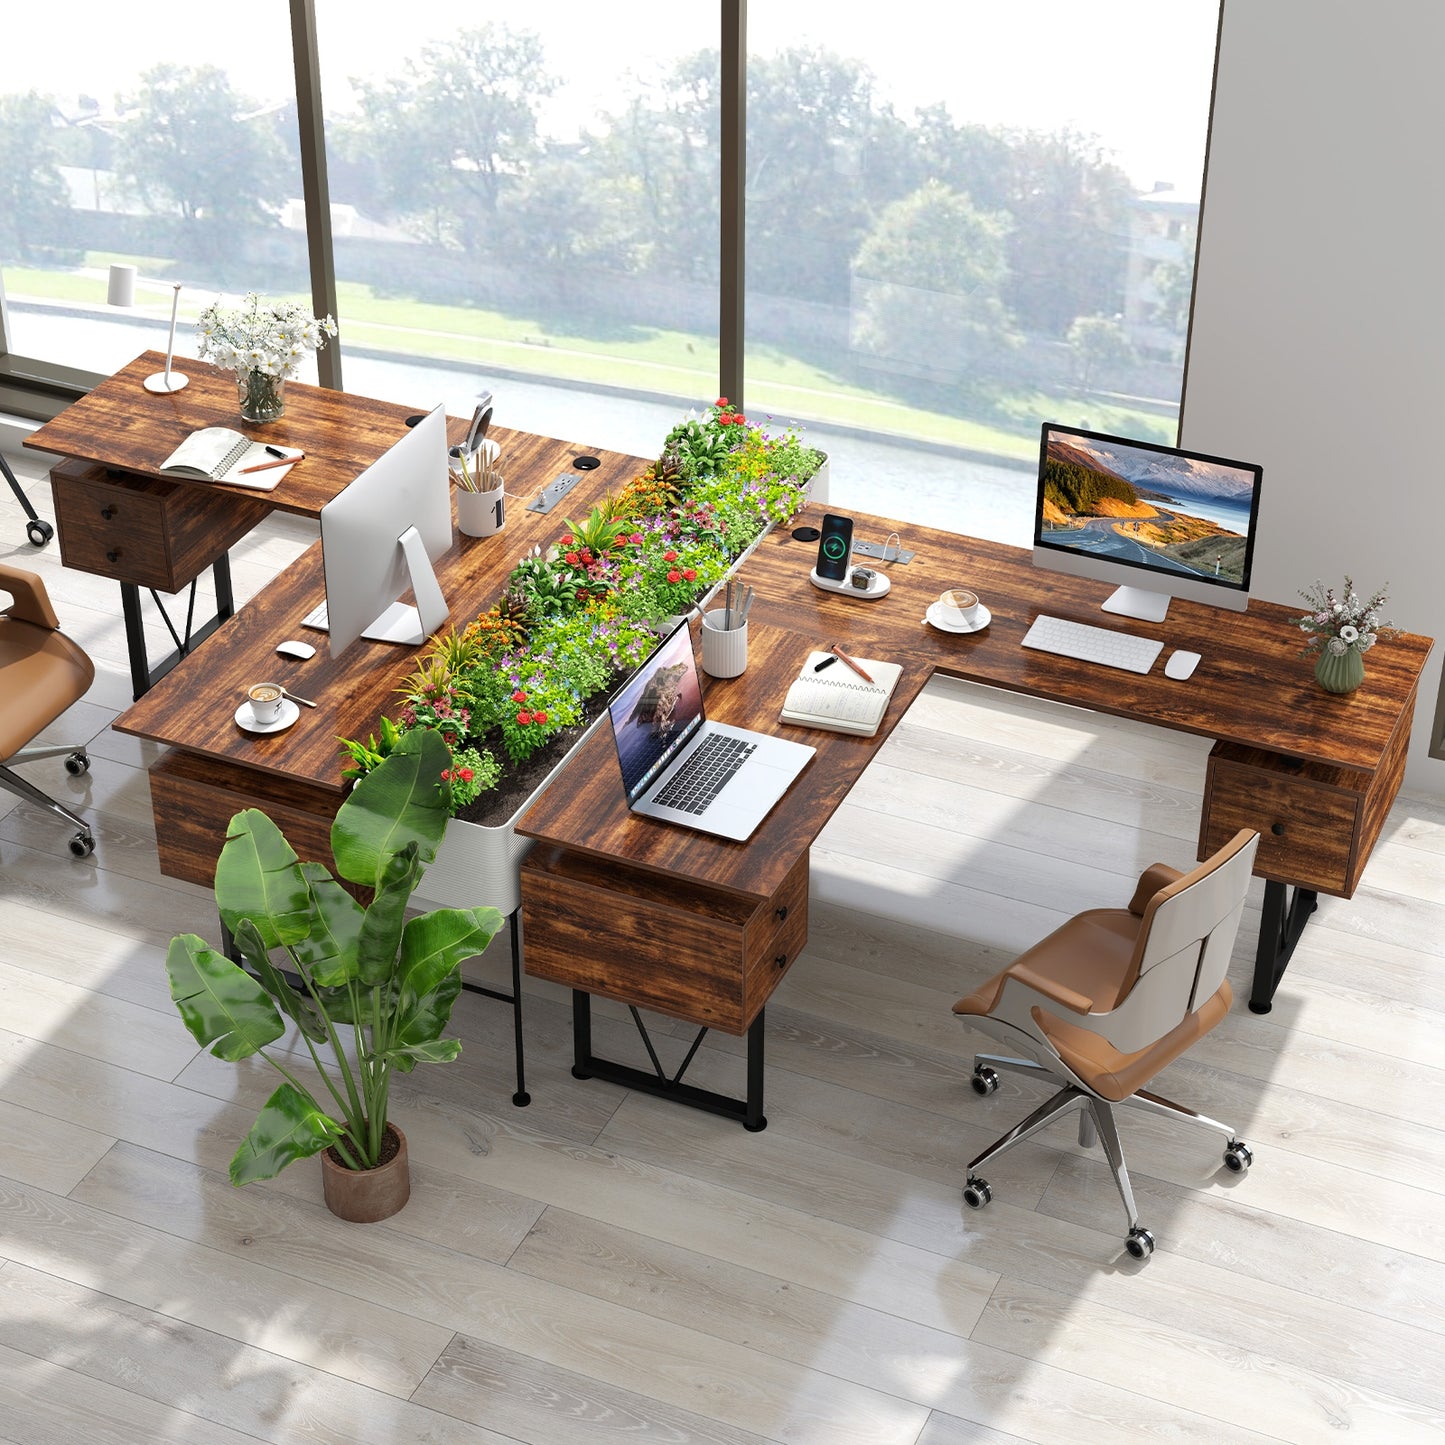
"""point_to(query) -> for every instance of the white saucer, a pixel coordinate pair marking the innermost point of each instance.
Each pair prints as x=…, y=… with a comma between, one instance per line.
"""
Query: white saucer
x=934, y=618
x=245, y=718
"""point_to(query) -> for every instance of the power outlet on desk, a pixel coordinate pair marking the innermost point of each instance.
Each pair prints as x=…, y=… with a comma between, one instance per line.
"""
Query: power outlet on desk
x=553, y=492
x=884, y=552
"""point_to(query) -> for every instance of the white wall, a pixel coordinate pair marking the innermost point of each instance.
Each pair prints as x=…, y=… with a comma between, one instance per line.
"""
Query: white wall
x=1318, y=347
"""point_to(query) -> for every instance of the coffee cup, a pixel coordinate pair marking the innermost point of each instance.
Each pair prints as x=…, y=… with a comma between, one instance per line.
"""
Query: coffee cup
x=959, y=607
x=266, y=699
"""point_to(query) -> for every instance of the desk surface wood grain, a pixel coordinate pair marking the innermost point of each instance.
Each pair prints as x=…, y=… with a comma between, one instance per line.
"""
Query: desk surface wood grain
x=194, y=706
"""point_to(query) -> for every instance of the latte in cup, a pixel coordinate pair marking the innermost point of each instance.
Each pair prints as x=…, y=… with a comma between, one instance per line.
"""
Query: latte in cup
x=960, y=607
x=266, y=699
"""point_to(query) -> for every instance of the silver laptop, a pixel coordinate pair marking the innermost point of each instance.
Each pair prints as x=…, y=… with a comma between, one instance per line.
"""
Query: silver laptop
x=678, y=766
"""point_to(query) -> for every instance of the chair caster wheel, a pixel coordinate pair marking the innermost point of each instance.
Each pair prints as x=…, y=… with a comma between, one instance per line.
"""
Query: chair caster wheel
x=1140, y=1243
x=976, y=1192
x=39, y=532
x=76, y=764
x=1237, y=1156
x=984, y=1081
x=82, y=845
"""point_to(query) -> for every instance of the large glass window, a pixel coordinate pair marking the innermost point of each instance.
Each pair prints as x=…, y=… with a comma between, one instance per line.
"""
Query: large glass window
x=525, y=199
x=948, y=243
x=154, y=136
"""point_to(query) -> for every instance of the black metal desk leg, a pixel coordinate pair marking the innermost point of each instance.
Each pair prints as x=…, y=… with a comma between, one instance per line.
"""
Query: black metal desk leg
x=747, y=1111
x=521, y=1098
x=135, y=640
x=1280, y=927
x=753, y=1118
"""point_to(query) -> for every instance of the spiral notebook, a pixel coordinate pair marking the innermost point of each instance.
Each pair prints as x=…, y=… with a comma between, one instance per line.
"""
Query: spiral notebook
x=837, y=698
x=218, y=454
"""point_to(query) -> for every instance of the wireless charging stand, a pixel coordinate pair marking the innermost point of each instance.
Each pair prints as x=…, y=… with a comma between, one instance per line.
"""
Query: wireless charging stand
x=877, y=587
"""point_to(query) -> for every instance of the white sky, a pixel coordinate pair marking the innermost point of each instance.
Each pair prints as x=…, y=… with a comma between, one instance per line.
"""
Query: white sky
x=1134, y=72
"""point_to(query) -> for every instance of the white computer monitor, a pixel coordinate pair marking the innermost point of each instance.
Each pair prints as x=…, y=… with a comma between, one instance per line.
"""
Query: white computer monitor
x=1157, y=521
x=381, y=535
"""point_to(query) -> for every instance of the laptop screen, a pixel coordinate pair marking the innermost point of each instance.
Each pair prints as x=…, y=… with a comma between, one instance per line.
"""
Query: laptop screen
x=656, y=712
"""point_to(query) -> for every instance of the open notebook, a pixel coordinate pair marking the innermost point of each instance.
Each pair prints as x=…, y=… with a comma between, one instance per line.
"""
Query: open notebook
x=218, y=454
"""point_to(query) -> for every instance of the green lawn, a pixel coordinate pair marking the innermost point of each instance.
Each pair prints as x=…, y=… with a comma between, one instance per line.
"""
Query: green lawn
x=644, y=359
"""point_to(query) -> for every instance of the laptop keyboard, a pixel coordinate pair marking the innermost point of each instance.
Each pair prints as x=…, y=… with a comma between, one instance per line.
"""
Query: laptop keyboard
x=705, y=774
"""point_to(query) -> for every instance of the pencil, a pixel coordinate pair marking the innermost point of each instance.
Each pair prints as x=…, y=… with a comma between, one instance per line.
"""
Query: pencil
x=266, y=466
x=838, y=652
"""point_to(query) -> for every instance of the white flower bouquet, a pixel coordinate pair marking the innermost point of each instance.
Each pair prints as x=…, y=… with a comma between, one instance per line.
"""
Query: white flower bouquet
x=1338, y=623
x=264, y=343
x=271, y=337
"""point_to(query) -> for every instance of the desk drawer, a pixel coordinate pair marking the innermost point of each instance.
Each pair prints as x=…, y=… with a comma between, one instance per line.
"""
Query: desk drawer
x=1308, y=818
x=143, y=530
x=687, y=950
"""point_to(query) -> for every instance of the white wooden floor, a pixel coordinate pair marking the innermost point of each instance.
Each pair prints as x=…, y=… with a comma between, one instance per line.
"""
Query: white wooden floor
x=602, y=1267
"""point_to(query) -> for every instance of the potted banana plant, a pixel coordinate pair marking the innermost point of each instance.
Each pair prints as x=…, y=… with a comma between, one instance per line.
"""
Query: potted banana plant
x=374, y=990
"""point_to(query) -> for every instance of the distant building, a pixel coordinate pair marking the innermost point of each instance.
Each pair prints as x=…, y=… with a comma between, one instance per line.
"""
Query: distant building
x=1163, y=223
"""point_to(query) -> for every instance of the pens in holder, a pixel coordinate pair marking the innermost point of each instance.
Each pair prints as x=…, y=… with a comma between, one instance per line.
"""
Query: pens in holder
x=843, y=657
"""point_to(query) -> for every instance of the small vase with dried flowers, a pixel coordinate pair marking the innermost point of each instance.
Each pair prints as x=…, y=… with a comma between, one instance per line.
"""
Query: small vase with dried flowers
x=1343, y=628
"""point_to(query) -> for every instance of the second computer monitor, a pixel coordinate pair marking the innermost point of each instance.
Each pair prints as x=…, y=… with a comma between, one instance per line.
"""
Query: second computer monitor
x=381, y=536
x=1156, y=520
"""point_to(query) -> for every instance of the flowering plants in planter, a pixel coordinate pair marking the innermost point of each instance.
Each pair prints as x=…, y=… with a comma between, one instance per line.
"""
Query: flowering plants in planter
x=509, y=689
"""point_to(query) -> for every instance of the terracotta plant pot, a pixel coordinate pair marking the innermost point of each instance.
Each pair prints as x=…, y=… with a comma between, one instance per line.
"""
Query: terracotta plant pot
x=364, y=1196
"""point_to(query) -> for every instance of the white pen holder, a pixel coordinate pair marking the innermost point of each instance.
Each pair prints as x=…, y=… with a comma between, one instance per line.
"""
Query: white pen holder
x=724, y=649
x=480, y=514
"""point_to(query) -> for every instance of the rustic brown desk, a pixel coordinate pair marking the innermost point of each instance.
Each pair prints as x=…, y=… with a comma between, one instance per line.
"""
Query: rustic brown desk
x=658, y=917
x=118, y=517
x=702, y=929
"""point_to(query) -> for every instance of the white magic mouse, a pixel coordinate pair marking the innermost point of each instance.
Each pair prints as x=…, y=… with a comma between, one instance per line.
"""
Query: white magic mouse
x=299, y=650
x=1181, y=664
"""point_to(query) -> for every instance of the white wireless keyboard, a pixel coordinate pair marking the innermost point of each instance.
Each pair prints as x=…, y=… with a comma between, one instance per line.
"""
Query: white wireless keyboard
x=317, y=618
x=1093, y=644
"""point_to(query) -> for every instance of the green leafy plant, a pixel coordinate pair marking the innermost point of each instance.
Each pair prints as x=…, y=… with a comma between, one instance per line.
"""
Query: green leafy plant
x=598, y=532
x=376, y=988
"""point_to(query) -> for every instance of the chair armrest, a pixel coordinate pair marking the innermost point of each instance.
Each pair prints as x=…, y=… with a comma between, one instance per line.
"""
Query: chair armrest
x=32, y=603
x=1151, y=880
x=1051, y=989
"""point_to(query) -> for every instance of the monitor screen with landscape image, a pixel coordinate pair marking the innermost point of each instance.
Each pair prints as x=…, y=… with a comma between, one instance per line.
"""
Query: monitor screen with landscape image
x=1156, y=520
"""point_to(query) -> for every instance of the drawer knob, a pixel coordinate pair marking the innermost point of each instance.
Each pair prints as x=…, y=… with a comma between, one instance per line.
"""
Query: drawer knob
x=113, y=556
x=108, y=511
x=781, y=960
x=1277, y=829
x=782, y=912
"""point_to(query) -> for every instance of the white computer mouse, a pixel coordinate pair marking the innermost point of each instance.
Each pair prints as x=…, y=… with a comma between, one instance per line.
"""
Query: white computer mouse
x=1181, y=664
x=299, y=650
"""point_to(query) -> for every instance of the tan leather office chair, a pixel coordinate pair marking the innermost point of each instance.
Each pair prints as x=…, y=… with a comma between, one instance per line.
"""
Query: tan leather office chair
x=1111, y=998
x=42, y=672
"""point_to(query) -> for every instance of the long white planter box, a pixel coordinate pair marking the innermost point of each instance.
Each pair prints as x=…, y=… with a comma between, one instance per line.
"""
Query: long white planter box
x=478, y=866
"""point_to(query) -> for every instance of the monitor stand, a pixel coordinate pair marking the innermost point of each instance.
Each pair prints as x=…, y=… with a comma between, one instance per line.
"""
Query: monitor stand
x=1137, y=602
x=402, y=622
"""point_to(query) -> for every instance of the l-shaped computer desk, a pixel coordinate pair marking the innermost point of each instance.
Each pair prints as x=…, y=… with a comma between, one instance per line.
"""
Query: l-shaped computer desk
x=693, y=927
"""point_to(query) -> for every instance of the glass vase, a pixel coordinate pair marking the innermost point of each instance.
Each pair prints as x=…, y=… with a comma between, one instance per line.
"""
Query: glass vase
x=263, y=397
x=1340, y=672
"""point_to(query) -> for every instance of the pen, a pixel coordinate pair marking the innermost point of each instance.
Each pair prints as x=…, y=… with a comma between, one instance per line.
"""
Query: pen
x=838, y=652
x=276, y=451
x=266, y=466
x=826, y=662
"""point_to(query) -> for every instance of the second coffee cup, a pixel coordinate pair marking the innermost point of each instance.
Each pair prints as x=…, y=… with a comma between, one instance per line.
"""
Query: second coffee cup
x=960, y=607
